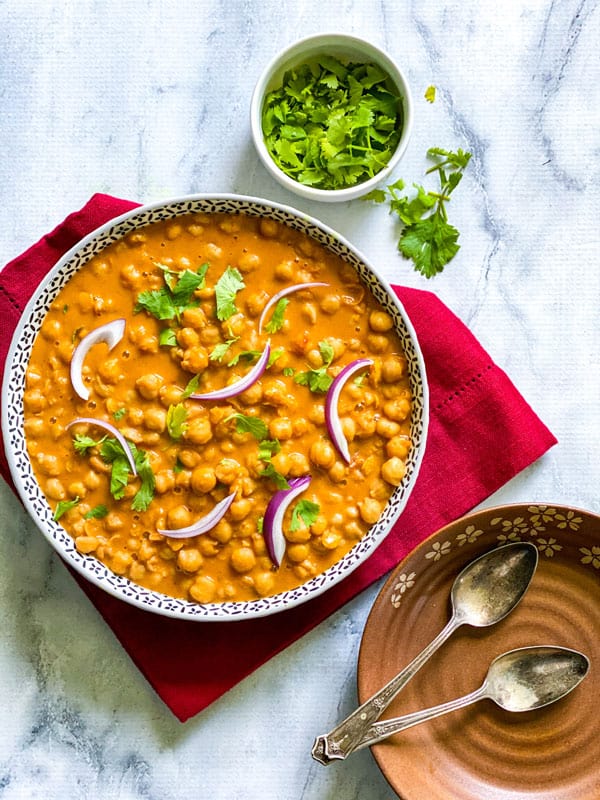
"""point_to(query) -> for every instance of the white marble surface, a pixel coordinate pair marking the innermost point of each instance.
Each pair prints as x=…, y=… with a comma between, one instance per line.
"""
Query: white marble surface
x=150, y=99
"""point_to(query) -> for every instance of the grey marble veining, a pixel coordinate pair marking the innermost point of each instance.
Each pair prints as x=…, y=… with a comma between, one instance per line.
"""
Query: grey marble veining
x=150, y=99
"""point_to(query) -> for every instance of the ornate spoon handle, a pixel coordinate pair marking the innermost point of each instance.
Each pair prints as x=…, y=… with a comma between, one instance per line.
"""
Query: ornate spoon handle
x=388, y=727
x=342, y=740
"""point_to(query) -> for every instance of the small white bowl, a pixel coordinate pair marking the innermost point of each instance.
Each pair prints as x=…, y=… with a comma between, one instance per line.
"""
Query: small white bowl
x=346, y=49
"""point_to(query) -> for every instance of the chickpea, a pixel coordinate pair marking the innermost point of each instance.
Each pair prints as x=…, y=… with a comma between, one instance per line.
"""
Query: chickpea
x=164, y=481
x=331, y=303
x=189, y=458
x=204, y=589
x=170, y=395
x=49, y=464
x=393, y=470
x=281, y=462
x=195, y=359
x=194, y=318
x=199, y=430
x=86, y=544
x=309, y=312
x=393, y=368
x=330, y=540
x=120, y=562
x=366, y=425
x=284, y=271
x=155, y=419
x=187, y=337
x=252, y=395
x=269, y=228
x=34, y=401
x=203, y=479
x=297, y=552
x=135, y=416
x=322, y=454
x=248, y=262
x=380, y=321
x=397, y=409
x=377, y=343
x=243, y=559
x=91, y=480
x=317, y=413
x=227, y=470
x=337, y=472
x=398, y=446
x=210, y=335
x=240, y=509
x=281, y=428
x=34, y=427
x=110, y=370
x=348, y=428
x=263, y=583
x=149, y=386
x=137, y=571
x=387, y=428
x=370, y=510
x=113, y=522
x=222, y=532
x=55, y=490
x=189, y=559
x=298, y=465
x=179, y=517
x=256, y=302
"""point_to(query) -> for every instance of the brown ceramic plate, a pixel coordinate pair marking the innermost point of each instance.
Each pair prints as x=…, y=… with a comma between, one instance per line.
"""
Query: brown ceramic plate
x=483, y=752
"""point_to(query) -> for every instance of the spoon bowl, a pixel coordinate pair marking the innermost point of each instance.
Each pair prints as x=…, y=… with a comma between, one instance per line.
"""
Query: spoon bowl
x=521, y=680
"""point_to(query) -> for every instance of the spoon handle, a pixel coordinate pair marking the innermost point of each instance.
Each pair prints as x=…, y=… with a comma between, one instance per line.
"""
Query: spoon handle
x=388, y=727
x=341, y=741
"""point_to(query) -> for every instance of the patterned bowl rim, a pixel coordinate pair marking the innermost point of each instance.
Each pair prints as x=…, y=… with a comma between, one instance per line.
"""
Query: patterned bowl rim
x=13, y=388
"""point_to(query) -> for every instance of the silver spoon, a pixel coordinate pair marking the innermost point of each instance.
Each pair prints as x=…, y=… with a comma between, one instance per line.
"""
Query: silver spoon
x=520, y=680
x=484, y=592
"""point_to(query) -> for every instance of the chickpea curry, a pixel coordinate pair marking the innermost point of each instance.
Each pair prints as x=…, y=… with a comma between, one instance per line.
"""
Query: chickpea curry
x=217, y=408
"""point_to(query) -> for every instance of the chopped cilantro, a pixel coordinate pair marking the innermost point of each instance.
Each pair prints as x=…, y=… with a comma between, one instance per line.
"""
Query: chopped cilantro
x=253, y=425
x=332, y=125
x=191, y=387
x=304, y=512
x=318, y=380
x=98, y=512
x=267, y=448
x=278, y=479
x=175, y=296
x=276, y=321
x=144, y=495
x=219, y=350
x=63, y=506
x=288, y=371
x=167, y=338
x=83, y=443
x=226, y=288
x=245, y=355
x=112, y=453
x=428, y=239
x=176, y=421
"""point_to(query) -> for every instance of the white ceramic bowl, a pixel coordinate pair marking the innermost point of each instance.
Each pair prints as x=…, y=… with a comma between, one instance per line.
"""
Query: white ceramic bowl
x=13, y=389
x=346, y=49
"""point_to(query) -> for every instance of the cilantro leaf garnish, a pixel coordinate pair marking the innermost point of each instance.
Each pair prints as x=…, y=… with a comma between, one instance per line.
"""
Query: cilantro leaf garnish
x=253, y=425
x=276, y=321
x=245, y=355
x=305, y=511
x=83, y=443
x=427, y=238
x=318, y=380
x=268, y=448
x=176, y=421
x=112, y=453
x=278, y=479
x=226, y=288
x=98, y=512
x=332, y=125
x=175, y=296
x=191, y=387
x=219, y=350
x=63, y=506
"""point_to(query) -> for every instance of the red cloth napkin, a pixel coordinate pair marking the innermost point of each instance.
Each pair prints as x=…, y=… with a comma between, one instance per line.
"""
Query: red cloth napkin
x=482, y=433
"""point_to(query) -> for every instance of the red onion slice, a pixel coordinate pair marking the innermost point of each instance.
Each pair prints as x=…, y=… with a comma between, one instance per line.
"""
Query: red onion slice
x=332, y=417
x=283, y=293
x=100, y=423
x=111, y=333
x=240, y=386
x=202, y=525
x=273, y=521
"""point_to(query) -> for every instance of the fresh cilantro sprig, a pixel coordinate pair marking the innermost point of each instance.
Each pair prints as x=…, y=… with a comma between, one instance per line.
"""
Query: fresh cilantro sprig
x=318, y=380
x=112, y=453
x=277, y=318
x=226, y=289
x=63, y=506
x=246, y=424
x=177, y=421
x=332, y=125
x=174, y=297
x=304, y=514
x=427, y=238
